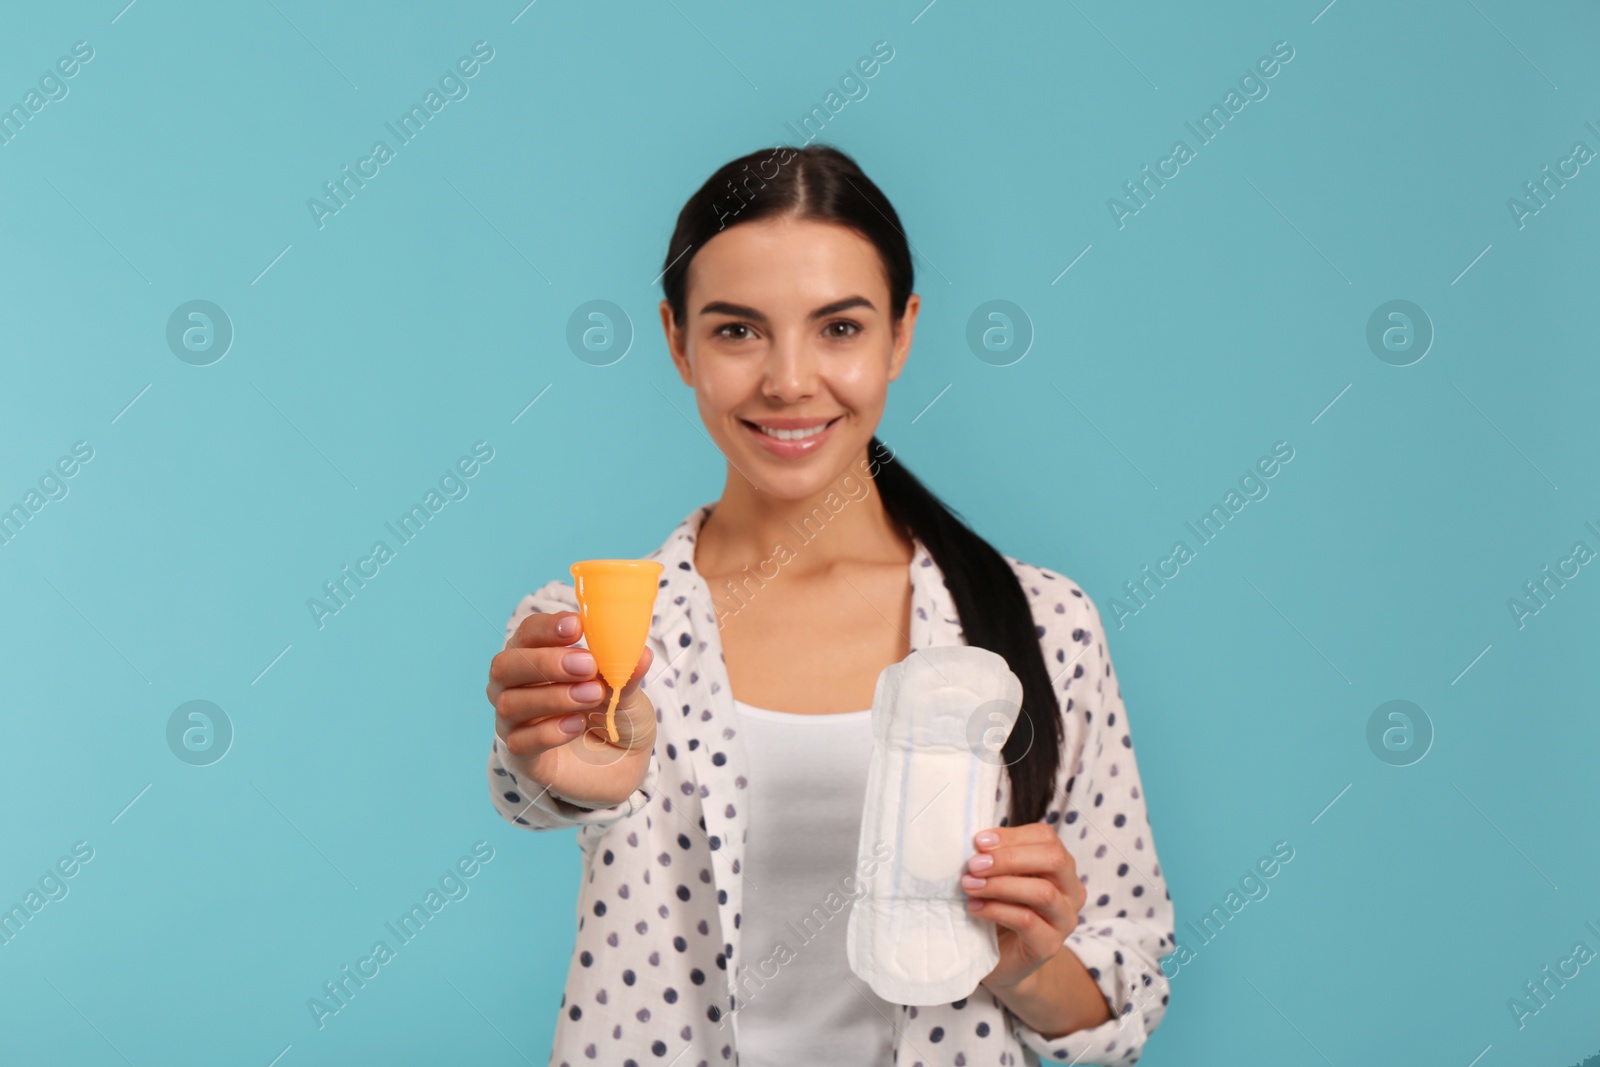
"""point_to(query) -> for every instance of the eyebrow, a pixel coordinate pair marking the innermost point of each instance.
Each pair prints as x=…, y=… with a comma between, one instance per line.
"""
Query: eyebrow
x=739, y=310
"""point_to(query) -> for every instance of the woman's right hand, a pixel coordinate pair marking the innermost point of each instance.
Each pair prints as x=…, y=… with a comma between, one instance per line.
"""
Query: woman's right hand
x=550, y=706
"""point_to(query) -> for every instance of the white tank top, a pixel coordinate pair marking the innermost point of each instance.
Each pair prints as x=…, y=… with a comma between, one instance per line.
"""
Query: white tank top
x=798, y=1000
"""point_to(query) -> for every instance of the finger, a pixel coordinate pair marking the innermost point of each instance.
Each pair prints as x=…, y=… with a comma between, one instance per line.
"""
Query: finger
x=1039, y=938
x=547, y=628
x=1050, y=860
x=524, y=704
x=541, y=735
x=1033, y=833
x=1040, y=894
x=514, y=667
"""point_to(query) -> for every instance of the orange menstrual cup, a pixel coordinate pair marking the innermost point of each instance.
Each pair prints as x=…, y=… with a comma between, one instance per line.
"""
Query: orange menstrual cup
x=615, y=601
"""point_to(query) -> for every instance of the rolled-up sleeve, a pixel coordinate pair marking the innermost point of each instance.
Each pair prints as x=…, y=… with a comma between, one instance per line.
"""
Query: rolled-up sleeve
x=524, y=803
x=1126, y=925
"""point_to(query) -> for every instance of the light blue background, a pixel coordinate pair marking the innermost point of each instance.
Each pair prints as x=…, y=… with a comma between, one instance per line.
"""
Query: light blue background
x=1226, y=315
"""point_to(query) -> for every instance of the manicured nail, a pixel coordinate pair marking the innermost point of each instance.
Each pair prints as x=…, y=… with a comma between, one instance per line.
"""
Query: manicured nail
x=587, y=692
x=567, y=626
x=980, y=862
x=987, y=839
x=974, y=904
x=579, y=663
x=969, y=882
x=571, y=724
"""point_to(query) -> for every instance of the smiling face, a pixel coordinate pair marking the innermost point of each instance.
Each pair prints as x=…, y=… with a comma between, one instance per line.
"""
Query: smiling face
x=790, y=346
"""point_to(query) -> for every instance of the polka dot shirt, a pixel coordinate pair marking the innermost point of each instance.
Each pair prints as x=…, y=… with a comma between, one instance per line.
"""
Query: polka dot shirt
x=651, y=979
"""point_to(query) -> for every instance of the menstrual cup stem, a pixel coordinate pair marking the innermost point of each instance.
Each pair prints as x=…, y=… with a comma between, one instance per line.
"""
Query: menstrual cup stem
x=611, y=715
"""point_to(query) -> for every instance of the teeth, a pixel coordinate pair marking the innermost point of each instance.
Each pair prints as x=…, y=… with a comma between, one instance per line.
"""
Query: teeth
x=793, y=435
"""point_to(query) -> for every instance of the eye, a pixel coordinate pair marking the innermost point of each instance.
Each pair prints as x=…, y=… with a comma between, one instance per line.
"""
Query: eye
x=853, y=328
x=720, y=330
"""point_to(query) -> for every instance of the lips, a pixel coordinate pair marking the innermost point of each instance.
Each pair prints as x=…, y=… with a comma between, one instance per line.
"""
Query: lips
x=791, y=437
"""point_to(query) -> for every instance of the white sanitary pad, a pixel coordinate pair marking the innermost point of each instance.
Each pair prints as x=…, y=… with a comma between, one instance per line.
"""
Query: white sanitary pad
x=939, y=718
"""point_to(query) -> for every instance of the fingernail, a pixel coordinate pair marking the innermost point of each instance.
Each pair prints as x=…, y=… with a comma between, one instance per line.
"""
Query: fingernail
x=567, y=626
x=571, y=724
x=969, y=882
x=987, y=839
x=974, y=904
x=980, y=862
x=587, y=692
x=579, y=663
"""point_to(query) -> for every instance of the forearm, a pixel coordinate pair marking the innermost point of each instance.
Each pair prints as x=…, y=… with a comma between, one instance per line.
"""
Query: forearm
x=1059, y=998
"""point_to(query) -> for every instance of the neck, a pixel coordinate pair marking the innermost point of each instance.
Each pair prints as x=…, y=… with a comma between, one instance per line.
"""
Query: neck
x=845, y=520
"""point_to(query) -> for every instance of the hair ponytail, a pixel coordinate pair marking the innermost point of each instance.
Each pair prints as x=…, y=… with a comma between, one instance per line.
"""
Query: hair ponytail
x=995, y=615
x=822, y=183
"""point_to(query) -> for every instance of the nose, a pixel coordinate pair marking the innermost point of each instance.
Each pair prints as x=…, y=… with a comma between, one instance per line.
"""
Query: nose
x=789, y=372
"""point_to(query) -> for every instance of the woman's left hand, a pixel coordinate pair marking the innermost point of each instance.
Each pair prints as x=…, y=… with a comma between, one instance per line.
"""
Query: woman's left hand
x=1024, y=879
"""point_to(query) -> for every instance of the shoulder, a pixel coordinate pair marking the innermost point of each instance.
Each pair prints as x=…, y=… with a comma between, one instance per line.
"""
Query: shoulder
x=1065, y=617
x=1051, y=592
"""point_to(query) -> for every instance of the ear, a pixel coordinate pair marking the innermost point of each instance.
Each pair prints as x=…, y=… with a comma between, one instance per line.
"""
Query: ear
x=904, y=329
x=675, y=344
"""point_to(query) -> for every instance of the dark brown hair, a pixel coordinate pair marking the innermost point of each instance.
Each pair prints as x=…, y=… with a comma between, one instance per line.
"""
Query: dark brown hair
x=821, y=183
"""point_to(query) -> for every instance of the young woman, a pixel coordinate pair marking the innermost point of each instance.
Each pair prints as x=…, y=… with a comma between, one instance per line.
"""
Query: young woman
x=719, y=833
